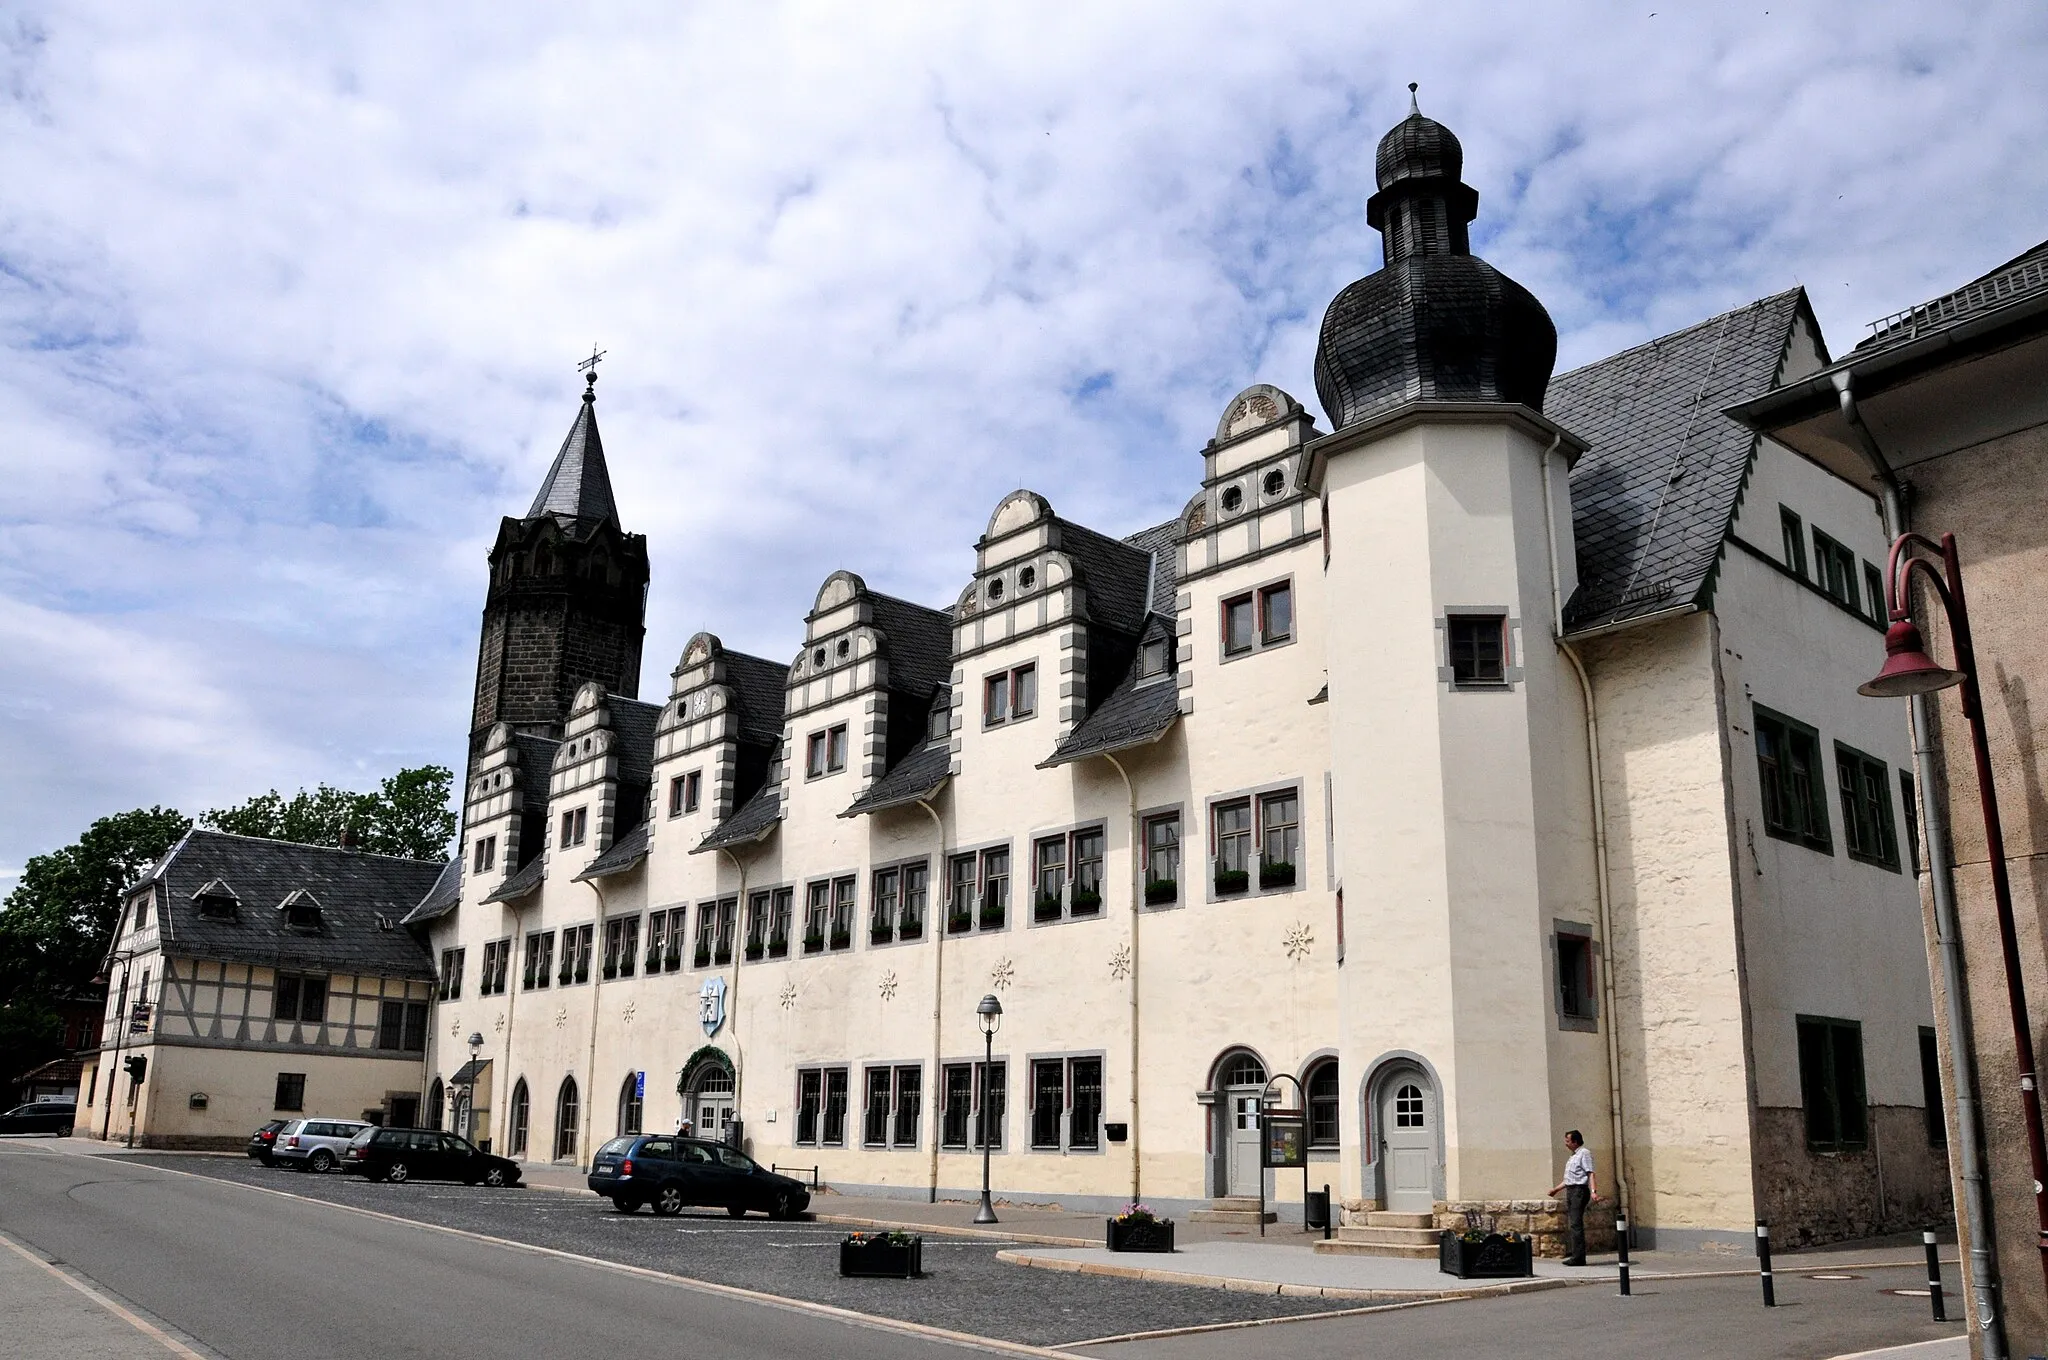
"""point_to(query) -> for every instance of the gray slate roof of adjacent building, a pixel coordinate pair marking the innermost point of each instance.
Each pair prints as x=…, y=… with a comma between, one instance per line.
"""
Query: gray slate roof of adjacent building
x=633, y=723
x=523, y=882
x=1161, y=541
x=1115, y=575
x=762, y=689
x=536, y=768
x=1136, y=713
x=353, y=889
x=2019, y=278
x=625, y=852
x=920, y=642
x=753, y=820
x=1653, y=498
x=441, y=898
x=915, y=776
x=578, y=486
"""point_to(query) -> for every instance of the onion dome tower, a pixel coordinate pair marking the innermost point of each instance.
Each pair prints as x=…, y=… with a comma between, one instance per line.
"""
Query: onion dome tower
x=1437, y=323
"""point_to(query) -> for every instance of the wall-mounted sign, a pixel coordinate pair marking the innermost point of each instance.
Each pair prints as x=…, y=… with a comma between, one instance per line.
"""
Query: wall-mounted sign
x=138, y=1018
x=639, y=1086
x=711, y=1005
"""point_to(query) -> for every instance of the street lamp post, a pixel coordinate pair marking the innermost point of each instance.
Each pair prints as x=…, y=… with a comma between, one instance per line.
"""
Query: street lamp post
x=990, y=1013
x=476, y=1046
x=105, y=979
x=1907, y=671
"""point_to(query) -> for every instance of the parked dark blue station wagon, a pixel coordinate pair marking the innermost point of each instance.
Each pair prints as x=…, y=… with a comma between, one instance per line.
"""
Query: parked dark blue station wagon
x=673, y=1173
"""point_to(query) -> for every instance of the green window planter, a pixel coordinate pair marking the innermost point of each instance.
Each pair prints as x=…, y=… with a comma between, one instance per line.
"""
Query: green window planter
x=1232, y=881
x=1161, y=891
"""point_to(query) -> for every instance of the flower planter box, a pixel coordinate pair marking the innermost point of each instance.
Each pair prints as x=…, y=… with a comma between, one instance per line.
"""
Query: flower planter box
x=1046, y=909
x=1276, y=875
x=879, y=935
x=702, y=959
x=959, y=923
x=1160, y=891
x=878, y=1257
x=991, y=919
x=754, y=951
x=1141, y=1234
x=1230, y=882
x=813, y=943
x=778, y=949
x=1494, y=1257
x=842, y=939
x=1085, y=902
x=911, y=930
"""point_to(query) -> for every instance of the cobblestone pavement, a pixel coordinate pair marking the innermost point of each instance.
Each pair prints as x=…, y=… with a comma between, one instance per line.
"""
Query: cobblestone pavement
x=964, y=1288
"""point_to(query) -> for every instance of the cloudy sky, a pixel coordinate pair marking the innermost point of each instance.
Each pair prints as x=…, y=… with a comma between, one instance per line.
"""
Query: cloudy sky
x=291, y=297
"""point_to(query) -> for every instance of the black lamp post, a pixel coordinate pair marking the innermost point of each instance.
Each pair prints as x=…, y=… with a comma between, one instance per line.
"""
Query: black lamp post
x=1908, y=670
x=990, y=1013
x=105, y=979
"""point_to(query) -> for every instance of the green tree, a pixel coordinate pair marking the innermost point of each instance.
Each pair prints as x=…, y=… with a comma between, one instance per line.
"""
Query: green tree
x=408, y=815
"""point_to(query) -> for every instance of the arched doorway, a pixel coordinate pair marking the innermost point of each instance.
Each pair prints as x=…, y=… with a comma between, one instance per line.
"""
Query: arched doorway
x=1238, y=1082
x=435, y=1096
x=706, y=1087
x=630, y=1105
x=568, y=1110
x=521, y=1117
x=1408, y=1137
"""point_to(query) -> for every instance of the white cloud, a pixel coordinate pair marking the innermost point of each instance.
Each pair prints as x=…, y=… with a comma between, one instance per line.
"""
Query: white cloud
x=290, y=297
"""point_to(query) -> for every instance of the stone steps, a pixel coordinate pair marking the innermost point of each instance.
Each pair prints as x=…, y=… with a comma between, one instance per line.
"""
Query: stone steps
x=1413, y=1236
x=1233, y=1209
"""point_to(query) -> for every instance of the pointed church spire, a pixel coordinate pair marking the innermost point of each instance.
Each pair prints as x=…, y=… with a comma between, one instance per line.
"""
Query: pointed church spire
x=578, y=485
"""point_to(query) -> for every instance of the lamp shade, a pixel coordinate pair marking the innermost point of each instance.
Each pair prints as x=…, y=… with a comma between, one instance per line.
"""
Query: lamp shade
x=1908, y=670
x=991, y=1012
x=476, y=1040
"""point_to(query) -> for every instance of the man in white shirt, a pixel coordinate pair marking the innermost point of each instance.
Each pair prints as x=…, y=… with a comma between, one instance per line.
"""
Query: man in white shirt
x=1580, y=1187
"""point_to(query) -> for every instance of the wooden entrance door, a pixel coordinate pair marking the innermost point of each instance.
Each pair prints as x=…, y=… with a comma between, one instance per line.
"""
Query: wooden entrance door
x=1408, y=1142
x=1243, y=1133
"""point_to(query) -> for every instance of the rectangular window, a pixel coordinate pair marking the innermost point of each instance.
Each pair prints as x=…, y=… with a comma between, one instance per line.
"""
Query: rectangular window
x=1049, y=871
x=1279, y=838
x=882, y=905
x=1153, y=657
x=1048, y=1101
x=995, y=887
x=297, y=997
x=842, y=912
x=909, y=1105
x=1084, y=897
x=685, y=791
x=1865, y=786
x=402, y=1025
x=451, y=974
x=284, y=997
x=1239, y=625
x=142, y=913
x=576, y=946
x=1478, y=648
x=621, y=945
x=1162, y=859
x=916, y=891
x=992, y=1088
x=727, y=918
x=835, y=748
x=291, y=1091
x=960, y=902
x=1831, y=1084
x=707, y=926
x=1084, y=1116
x=1009, y=695
x=1793, y=531
x=486, y=854
x=1873, y=592
x=757, y=924
x=957, y=1118
x=497, y=962
x=540, y=959
x=826, y=752
x=874, y=1131
x=1575, y=978
x=1930, y=1089
x=1794, y=790
x=817, y=906
x=810, y=1087
x=1233, y=842
x=780, y=920
x=1276, y=614
x=1911, y=810
x=834, y=1132
x=1836, y=567
x=995, y=700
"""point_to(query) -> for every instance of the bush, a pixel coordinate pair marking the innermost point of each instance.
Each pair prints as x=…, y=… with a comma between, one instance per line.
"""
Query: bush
x=1230, y=881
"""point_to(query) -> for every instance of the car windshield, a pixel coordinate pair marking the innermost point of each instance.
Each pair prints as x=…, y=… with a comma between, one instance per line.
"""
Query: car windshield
x=365, y=1136
x=457, y=1144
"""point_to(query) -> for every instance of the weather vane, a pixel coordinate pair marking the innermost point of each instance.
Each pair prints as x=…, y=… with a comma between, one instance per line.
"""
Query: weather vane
x=589, y=366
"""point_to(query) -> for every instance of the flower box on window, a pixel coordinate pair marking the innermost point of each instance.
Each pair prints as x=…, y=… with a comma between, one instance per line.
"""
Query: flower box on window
x=723, y=956
x=842, y=939
x=1160, y=892
x=673, y=959
x=1047, y=908
x=703, y=958
x=1485, y=1255
x=1276, y=874
x=611, y=970
x=1084, y=901
x=813, y=941
x=959, y=922
x=653, y=960
x=778, y=947
x=991, y=916
x=879, y=933
x=887, y=1255
x=754, y=950
x=1139, y=1229
x=1230, y=881
x=911, y=930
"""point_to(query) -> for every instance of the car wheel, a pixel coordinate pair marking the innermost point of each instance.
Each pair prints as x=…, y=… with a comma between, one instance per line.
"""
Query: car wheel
x=736, y=1210
x=668, y=1201
x=623, y=1205
x=398, y=1173
x=64, y=1132
x=321, y=1161
x=496, y=1178
x=785, y=1206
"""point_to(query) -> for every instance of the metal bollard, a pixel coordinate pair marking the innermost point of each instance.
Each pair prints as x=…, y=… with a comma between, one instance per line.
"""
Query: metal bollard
x=1329, y=1212
x=1763, y=1262
x=1934, y=1276
x=1621, y=1245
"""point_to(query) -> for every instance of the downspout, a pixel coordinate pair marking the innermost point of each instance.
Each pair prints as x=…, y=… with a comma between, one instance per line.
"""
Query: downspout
x=1137, y=911
x=511, y=995
x=596, y=981
x=1941, y=880
x=938, y=928
x=732, y=1005
x=1617, y=1124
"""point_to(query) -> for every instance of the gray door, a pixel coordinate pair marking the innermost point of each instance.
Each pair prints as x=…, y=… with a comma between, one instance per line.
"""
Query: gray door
x=1408, y=1142
x=1242, y=1148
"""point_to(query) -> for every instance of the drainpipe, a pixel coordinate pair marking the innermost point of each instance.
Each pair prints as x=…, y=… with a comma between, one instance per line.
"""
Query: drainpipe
x=1137, y=911
x=1617, y=1124
x=732, y=1004
x=511, y=995
x=1949, y=951
x=938, y=923
x=596, y=981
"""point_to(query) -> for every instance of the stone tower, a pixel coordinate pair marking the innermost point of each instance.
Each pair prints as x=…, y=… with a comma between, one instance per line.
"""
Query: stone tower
x=568, y=595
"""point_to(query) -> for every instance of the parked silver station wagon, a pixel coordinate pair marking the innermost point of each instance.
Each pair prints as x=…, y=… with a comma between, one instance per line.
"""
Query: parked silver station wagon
x=314, y=1144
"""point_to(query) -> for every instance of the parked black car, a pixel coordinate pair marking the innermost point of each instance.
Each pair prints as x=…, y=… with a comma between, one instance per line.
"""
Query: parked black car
x=42, y=1116
x=672, y=1173
x=399, y=1155
x=264, y=1141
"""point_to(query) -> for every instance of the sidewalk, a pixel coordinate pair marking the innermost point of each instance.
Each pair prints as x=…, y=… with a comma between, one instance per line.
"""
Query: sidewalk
x=46, y=1316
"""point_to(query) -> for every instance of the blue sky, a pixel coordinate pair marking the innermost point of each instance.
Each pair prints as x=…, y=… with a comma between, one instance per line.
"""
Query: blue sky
x=291, y=297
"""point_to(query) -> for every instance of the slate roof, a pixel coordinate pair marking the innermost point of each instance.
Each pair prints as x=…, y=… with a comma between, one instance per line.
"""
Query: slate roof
x=920, y=642
x=2020, y=277
x=915, y=776
x=1135, y=713
x=628, y=850
x=523, y=882
x=536, y=768
x=354, y=889
x=633, y=725
x=441, y=898
x=762, y=689
x=1653, y=498
x=1114, y=573
x=754, y=819
x=578, y=486
x=1161, y=540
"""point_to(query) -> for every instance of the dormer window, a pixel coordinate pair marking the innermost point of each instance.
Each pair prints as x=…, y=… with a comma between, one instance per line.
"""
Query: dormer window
x=995, y=590
x=301, y=910
x=826, y=752
x=1027, y=577
x=217, y=901
x=1233, y=499
x=1154, y=657
x=1009, y=695
x=941, y=724
x=1276, y=482
x=845, y=648
x=575, y=827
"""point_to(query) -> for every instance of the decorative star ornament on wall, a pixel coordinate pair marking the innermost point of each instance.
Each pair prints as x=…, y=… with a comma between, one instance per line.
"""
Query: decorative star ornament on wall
x=1002, y=975
x=888, y=985
x=788, y=997
x=1300, y=942
x=1120, y=962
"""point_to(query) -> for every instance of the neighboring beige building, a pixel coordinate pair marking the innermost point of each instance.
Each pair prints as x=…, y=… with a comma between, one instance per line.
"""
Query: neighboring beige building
x=1946, y=407
x=261, y=980
x=1477, y=766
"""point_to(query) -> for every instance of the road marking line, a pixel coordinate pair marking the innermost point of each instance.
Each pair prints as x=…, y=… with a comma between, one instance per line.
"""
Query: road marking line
x=175, y=1346
x=1243, y=1323
x=879, y=1323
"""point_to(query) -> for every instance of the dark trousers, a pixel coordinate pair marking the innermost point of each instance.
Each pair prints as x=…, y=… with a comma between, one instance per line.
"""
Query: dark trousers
x=1576, y=1198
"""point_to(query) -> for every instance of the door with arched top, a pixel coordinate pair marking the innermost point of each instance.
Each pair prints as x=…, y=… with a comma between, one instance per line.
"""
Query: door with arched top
x=1408, y=1140
x=1240, y=1084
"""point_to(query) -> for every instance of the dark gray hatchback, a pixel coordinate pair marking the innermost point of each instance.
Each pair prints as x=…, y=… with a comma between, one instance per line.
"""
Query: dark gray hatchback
x=673, y=1174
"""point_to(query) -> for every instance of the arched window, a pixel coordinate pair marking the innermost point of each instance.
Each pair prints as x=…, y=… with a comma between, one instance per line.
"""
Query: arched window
x=629, y=1104
x=1322, y=1104
x=567, y=1111
x=436, y=1097
x=521, y=1117
x=1243, y=1069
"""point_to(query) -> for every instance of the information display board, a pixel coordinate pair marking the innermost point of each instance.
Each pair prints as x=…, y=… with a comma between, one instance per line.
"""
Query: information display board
x=1285, y=1139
